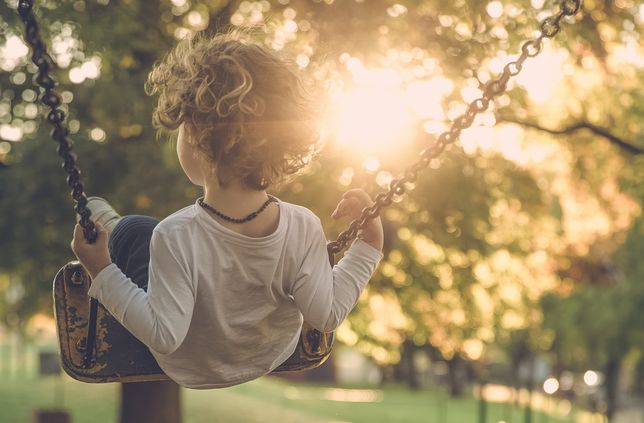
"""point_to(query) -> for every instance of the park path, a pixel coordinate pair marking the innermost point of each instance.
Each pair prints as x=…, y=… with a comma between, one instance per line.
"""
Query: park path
x=231, y=406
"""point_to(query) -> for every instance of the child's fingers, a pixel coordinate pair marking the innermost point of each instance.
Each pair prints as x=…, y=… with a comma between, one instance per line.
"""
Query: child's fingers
x=347, y=206
x=363, y=199
x=100, y=230
x=356, y=193
x=101, y=234
x=352, y=203
x=77, y=235
x=78, y=232
x=339, y=210
x=336, y=213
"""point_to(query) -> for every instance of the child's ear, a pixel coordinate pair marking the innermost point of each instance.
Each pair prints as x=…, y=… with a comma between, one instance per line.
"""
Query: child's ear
x=209, y=169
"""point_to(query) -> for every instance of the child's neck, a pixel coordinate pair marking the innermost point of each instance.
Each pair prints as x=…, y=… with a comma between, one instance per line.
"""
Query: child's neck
x=235, y=199
x=238, y=201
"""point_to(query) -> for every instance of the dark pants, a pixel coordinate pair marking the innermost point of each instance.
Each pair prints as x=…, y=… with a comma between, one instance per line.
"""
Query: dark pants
x=129, y=246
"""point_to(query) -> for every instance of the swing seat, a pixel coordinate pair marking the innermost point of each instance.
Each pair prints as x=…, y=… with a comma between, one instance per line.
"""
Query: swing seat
x=116, y=355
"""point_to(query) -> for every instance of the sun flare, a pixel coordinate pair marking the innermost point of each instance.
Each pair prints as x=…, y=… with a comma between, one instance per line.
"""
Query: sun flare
x=372, y=114
x=379, y=111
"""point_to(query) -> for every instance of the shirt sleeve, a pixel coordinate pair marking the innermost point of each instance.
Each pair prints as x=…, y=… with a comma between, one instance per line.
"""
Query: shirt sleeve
x=160, y=317
x=325, y=295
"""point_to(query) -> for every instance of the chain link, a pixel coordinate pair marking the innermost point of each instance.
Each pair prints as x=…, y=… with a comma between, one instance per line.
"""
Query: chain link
x=548, y=28
x=55, y=116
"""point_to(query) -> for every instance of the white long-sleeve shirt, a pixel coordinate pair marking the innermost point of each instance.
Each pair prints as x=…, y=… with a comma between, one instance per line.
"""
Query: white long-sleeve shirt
x=223, y=308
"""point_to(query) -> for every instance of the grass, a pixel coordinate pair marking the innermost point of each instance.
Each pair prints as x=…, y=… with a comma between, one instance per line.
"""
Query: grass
x=265, y=400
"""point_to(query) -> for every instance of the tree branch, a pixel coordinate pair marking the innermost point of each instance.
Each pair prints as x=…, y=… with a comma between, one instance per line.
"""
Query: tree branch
x=602, y=132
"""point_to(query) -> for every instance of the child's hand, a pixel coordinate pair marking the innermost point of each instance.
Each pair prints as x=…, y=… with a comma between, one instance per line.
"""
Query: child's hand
x=94, y=257
x=351, y=205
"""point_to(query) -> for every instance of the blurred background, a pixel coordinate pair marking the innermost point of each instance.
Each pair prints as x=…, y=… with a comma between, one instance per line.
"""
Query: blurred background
x=512, y=287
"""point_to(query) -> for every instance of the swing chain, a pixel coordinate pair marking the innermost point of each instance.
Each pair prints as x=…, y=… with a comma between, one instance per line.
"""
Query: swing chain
x=56, y=116
x=548, y=28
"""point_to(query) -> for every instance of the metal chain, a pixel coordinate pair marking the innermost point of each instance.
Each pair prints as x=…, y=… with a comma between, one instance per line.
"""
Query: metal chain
x=549, y=27
x=56, y=116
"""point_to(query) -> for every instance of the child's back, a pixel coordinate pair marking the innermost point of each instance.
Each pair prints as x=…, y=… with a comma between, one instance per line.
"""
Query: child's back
x=227, y=295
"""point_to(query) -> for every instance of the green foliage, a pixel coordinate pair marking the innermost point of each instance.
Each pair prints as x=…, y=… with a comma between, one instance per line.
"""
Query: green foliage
x=599, y=323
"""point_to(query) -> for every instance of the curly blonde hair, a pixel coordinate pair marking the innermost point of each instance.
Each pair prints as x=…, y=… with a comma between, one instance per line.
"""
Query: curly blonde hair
x=240, y=103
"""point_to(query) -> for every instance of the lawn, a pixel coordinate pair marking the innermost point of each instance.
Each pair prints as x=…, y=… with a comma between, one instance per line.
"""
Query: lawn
x=264, y=400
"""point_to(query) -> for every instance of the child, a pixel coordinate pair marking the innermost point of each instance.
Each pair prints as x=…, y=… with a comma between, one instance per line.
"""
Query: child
x=230, y=278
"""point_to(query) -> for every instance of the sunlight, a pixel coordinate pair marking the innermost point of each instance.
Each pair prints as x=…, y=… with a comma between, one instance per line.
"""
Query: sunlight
x=12, y=52
x=10, y=133
x=91, y=69
x=497, y=393
x=425, y=97
x=629, y=54
x=335, y=394
x=373, y=114
x=542, y=75
x=473, y=348
x=380, y=111
x=371, y=164
x=550, y=386
x=353, y=395
x=14, y=48
x=64, y=46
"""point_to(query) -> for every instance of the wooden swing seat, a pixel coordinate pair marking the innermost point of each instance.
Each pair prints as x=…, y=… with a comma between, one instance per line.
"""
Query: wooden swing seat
x=117, y=355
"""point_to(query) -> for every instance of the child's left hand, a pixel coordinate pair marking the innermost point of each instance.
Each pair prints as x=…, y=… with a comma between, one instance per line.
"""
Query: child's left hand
x=94, y=257
x=351, y=206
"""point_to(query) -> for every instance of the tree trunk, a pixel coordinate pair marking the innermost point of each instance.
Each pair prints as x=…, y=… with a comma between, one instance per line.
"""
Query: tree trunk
x=516, y=383
x=482, y=404
x=639, y=377
x=455, y=376
x=611, y=384
x=150, y=402
x=409, y=370
x=529, y=386
x=482, y=376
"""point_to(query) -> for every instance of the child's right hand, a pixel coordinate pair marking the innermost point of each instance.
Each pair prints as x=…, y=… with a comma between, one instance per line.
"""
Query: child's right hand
x=351, y=205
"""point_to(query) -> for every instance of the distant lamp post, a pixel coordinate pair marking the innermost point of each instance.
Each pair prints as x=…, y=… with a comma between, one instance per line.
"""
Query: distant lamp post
x=550, y=387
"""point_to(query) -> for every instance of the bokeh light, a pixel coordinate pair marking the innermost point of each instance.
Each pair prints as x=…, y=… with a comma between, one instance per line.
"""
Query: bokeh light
x=550, y=385
x=591, y=378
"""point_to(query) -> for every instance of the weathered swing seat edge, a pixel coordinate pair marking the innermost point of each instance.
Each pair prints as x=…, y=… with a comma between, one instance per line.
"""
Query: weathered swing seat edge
x=117, y=355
